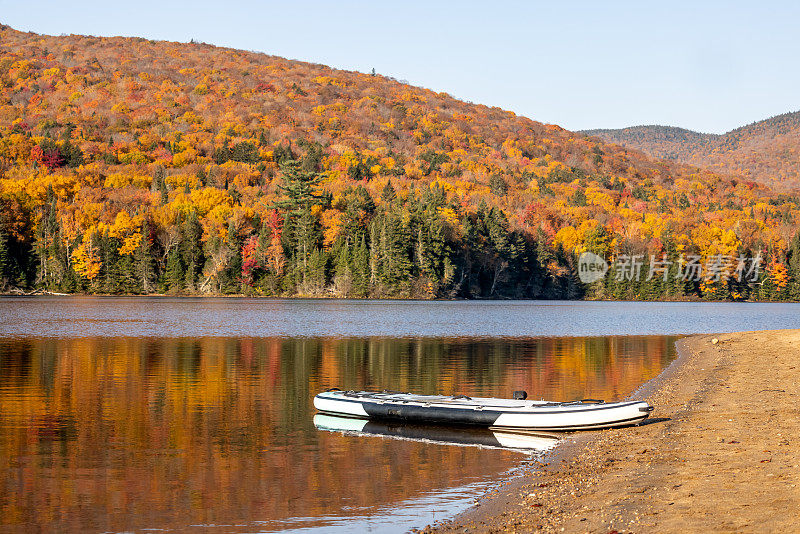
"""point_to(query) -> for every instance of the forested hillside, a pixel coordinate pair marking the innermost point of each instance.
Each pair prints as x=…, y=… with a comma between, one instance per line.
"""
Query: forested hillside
x=134, y=166
x=767, y=151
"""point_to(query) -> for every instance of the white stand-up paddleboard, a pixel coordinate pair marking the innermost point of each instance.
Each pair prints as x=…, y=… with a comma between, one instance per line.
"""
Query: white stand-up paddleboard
x=517, y=413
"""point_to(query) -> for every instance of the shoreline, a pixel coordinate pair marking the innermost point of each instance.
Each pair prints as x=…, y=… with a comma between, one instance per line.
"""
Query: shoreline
x=497, y=502
x=691, y=467
x=41, y=293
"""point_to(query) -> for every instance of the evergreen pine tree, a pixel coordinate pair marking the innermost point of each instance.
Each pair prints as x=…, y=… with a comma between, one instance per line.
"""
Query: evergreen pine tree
x=504, y=253
x=70, y=282
x=301, y=233
x=388, y=194
x=343, y=272
x=315, y=280
x=305, y=234
x=126, y=274
x=174, y=275
x=298, y=188
x=145, y=264
x=230, y=278
x=361, y=268
x=544, y=258
x=192, y=250
x=160, y=185
x=110, y=271
x=50, y=266
x=393, y=248
x=793, y=264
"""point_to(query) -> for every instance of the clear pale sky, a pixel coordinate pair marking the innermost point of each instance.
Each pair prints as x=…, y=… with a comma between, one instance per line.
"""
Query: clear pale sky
x=707, y=66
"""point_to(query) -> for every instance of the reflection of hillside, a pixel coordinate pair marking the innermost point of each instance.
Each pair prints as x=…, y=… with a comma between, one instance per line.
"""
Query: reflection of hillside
x=120, y=433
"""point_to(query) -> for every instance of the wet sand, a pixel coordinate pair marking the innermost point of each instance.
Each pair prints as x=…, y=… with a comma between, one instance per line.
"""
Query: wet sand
x=721, y=453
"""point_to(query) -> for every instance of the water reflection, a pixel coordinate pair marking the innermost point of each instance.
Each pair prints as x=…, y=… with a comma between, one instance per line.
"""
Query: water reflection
x=526, y=442
x=128, y=433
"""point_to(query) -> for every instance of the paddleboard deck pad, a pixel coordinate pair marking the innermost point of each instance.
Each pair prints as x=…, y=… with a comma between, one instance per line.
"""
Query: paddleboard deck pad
x=482, y=411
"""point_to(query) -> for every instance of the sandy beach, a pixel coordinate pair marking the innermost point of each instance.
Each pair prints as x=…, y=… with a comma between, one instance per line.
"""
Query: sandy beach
x=720, y=453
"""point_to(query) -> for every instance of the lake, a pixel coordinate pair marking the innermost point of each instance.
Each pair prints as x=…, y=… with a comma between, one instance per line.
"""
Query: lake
x=125, y=414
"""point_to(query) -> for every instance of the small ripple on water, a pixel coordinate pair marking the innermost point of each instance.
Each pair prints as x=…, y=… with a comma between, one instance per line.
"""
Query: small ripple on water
x=396, y=517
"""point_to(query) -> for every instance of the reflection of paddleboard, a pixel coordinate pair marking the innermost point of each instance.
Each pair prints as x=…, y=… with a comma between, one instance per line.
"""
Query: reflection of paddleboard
x=467, y=436
x=478, y=411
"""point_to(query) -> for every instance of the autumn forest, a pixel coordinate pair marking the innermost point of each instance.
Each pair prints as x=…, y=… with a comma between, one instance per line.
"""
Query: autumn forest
x=130, y=166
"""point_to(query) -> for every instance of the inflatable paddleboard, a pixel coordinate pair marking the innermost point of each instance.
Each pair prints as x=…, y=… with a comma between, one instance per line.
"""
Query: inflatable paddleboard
x=517, y=413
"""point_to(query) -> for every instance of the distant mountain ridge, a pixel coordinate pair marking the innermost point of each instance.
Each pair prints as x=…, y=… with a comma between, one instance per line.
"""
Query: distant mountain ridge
x=664, y=142
x=766, y=151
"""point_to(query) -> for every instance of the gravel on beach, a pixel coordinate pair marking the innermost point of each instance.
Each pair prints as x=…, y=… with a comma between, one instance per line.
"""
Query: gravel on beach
x=720, y=453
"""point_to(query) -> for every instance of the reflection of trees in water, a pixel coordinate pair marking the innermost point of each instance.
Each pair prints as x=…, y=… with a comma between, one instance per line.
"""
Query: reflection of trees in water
x=166, y=432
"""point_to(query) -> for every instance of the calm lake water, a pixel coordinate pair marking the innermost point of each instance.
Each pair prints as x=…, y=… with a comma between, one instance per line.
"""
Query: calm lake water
x=122, y=414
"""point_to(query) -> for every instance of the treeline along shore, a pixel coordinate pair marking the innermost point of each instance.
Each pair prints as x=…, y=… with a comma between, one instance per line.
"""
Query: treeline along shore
x=391, y=246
